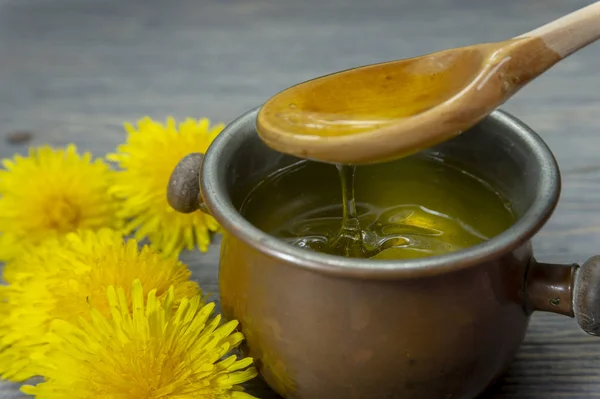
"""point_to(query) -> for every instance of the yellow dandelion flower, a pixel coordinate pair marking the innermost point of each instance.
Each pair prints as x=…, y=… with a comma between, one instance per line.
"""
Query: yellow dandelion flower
x=147, y=160
x=154, y=351
x=62, y=278
x=51, y=192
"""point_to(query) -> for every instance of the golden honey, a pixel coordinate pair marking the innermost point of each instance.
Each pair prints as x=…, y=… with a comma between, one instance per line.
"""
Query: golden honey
x=371, y=97
x=415, y=207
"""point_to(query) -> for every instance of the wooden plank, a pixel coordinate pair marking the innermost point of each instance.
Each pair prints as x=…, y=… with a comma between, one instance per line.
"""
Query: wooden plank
x=75, y=70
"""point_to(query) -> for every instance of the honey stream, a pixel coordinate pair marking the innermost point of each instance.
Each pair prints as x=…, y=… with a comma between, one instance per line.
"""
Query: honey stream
x=349, y=239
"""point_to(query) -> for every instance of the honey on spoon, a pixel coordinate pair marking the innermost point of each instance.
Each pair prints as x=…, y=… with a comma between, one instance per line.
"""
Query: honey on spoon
x=385, y=111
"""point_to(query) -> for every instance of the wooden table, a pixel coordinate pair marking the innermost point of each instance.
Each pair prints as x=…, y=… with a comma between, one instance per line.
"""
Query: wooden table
x=74, y=70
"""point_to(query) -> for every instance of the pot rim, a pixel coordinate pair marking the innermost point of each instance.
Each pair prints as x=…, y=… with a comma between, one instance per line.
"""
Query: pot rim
x=218, y=202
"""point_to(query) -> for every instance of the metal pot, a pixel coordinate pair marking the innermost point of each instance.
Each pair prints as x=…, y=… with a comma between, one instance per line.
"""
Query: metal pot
x=323, y=327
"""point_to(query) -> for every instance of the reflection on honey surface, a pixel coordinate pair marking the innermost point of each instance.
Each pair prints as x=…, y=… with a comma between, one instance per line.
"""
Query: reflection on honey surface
x=372, y=97
x=416, y=207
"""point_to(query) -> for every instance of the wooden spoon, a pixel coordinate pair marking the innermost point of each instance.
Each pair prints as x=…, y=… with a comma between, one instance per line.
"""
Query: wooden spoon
x=385, y=111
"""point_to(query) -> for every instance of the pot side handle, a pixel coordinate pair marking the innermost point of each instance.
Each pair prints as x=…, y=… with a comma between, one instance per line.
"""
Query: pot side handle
x=183, y=191
x=570, y=290
x=586, y=299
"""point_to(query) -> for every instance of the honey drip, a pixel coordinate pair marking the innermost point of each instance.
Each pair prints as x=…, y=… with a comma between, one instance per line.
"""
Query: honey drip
x=349, y=240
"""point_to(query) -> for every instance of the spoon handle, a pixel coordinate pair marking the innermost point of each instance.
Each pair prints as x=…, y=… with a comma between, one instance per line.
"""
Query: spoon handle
x=572, y=32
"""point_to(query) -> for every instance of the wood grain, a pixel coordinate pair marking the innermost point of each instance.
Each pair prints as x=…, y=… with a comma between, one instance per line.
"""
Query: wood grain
x=74, y=70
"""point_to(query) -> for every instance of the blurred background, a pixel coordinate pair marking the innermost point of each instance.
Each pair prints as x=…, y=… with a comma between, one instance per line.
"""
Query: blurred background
x=75, y=70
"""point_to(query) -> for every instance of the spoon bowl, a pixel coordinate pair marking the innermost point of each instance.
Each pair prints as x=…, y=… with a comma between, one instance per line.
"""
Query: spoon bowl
x=384, y=111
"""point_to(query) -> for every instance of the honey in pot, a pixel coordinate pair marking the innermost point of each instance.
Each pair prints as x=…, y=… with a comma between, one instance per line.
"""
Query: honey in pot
x=415, y=207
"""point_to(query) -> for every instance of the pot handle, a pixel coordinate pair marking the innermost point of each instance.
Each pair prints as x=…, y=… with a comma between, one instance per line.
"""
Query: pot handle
x=183, y=191
x=571, y=290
